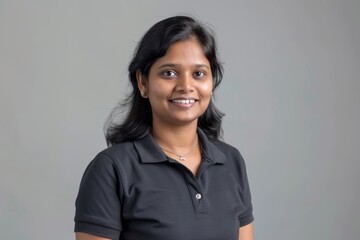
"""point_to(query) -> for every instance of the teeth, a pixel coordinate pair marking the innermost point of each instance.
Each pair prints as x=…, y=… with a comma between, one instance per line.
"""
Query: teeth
x=183, y=101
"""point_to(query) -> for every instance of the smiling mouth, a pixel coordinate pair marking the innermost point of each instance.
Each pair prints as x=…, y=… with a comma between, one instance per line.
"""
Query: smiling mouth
x=183, y=101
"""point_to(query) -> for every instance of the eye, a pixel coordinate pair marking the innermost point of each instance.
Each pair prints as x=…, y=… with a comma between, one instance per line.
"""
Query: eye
x=169, y=74
x=199, y=74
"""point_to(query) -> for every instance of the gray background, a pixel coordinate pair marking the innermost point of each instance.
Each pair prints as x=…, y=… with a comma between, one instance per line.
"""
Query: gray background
x=290, y=92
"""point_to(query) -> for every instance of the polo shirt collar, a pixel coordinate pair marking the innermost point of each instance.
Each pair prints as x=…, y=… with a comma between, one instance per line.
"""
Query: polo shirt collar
x=210, y=151
x=150, y=151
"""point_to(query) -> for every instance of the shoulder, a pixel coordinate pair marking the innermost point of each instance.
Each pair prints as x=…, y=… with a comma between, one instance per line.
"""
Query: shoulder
x=124, y=148
x=111, y=159
x=117, y=152
x=224, y=146
x=227, y=149
x=233, y=155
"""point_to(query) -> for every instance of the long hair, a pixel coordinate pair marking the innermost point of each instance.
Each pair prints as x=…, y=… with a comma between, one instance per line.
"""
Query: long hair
x=137, y=120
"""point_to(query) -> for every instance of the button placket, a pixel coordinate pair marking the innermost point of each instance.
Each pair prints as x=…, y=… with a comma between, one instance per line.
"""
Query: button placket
x=196, y=190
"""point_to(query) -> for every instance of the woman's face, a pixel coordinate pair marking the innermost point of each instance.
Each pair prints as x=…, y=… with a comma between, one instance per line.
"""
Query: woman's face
x=179, y=84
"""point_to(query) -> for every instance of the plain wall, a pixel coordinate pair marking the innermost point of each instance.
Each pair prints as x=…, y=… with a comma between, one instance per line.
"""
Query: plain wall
x=290, y=94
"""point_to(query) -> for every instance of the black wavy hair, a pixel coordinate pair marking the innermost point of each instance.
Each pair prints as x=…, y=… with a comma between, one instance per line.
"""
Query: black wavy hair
x=137, y=120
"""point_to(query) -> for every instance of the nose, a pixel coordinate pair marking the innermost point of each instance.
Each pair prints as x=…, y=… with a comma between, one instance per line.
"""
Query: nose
x=185, y=83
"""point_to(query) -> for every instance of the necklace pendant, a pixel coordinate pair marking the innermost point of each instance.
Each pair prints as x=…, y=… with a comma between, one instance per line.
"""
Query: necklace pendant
x=181, y=158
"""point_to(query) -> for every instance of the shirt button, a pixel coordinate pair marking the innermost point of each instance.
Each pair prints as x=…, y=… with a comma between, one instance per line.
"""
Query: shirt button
x=198, y=196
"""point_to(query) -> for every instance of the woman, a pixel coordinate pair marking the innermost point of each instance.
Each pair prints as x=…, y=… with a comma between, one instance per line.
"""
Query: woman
x=166, y=175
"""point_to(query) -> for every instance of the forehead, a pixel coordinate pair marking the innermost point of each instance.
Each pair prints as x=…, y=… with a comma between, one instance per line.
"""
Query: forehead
x=186, y=53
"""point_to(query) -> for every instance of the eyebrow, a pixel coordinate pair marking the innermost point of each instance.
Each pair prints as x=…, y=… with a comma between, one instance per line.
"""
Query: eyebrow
x=177, y=65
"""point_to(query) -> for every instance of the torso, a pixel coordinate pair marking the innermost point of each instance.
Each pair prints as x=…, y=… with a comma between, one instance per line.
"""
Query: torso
x=163, y=198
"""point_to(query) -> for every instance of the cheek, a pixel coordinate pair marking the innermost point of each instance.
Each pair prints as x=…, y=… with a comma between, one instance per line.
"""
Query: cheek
x=206, y=89
x=157, y=90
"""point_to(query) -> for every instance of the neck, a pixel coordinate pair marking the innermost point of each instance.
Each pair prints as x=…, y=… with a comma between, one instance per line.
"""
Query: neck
x=179, y=138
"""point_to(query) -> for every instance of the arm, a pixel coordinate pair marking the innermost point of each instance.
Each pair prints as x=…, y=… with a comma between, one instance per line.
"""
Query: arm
x=98, y=207
x=85, y=236
x=246, y=232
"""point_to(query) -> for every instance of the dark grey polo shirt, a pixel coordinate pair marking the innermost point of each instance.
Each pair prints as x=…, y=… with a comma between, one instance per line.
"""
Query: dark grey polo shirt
x=133, y=191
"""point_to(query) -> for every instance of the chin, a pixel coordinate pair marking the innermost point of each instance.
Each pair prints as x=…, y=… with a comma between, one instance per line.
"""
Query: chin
x=186, y=120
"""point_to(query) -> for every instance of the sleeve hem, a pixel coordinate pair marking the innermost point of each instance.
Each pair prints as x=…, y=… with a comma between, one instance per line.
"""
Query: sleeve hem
x=97, y=230
x=246, y=220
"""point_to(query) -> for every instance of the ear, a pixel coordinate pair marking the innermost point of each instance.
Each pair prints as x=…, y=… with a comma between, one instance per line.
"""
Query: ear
x=142, y=83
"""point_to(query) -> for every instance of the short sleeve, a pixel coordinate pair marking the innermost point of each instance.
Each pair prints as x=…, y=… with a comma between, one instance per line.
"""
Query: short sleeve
x=246, y=216
x=98, y=204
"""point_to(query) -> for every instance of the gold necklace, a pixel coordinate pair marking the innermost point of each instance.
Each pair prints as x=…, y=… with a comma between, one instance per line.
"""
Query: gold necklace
x=182, y=156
